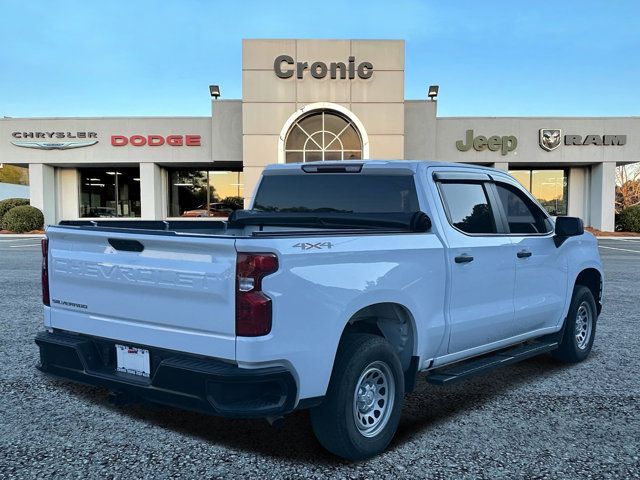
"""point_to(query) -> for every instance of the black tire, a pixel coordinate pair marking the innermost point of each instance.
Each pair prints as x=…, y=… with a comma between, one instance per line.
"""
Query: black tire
x=335, y=422
x=572, y=349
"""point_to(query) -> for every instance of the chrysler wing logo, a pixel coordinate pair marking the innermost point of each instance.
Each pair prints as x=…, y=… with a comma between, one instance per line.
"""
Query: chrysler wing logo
x=54, y=145
x=550, y=138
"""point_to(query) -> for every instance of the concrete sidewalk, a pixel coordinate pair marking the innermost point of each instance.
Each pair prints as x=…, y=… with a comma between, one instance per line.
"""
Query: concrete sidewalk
x=14, y=236
x=617, y=238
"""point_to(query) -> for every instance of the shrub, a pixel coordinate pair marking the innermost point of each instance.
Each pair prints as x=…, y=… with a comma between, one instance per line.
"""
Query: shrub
x=630, y=219
x=23, y=219
x=9, y=203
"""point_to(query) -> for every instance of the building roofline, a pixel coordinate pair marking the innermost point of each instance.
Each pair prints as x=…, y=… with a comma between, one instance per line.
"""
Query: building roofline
x=438, y=117
x=534, y=117
x=260, y=39
x=119, y=117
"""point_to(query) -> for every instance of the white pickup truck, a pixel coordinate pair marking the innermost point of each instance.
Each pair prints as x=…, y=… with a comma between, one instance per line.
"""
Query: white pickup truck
x=341, y=284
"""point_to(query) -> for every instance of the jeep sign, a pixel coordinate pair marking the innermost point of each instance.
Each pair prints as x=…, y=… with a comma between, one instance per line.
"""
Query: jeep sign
x=504, y=144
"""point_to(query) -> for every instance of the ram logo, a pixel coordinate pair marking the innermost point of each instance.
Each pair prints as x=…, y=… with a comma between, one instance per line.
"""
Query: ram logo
x=550, y=138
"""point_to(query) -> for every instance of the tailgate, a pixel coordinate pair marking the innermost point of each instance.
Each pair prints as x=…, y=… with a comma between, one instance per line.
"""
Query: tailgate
x=177, y=293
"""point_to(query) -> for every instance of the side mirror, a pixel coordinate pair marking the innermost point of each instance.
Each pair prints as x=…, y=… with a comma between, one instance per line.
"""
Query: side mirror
x=567, y=227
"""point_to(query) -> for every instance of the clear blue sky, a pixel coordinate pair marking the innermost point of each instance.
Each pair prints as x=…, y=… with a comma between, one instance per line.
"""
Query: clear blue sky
x=115, y=57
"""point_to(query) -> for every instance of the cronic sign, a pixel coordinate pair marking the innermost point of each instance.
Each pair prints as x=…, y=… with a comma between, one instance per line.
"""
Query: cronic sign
x=286, y=67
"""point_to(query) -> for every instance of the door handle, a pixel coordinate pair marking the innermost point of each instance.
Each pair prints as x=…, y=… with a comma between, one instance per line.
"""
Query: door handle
x=126, y=245
x=524, y=254
x=464, y=258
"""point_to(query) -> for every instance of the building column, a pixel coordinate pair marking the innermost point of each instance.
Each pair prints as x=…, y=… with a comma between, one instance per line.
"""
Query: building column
x=602, y=197
x=501, y=166
x=250, y=178
x=420, y=130
x=68, y=194
x=42, y=190
x=578, y=191
x=151, y=198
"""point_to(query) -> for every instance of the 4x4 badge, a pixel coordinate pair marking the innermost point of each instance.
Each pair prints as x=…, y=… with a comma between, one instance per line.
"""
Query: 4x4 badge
x=310, y=246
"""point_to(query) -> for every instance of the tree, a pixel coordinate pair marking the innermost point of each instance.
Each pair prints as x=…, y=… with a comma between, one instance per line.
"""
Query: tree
x=13, y=174
x=477, y=221
x=234, y=203
x=627, y=186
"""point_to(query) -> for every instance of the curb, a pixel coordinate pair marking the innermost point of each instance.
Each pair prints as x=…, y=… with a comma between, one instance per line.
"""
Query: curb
x=14, y=236
x=618, y=238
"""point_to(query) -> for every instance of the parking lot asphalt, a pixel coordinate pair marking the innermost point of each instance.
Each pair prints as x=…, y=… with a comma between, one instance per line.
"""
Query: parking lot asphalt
x=535, y=419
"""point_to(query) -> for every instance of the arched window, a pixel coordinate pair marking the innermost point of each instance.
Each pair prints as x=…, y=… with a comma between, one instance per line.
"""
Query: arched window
x=323, y=135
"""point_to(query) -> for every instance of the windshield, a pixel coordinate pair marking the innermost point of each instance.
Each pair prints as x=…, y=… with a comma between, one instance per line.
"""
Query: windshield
x=343, y=193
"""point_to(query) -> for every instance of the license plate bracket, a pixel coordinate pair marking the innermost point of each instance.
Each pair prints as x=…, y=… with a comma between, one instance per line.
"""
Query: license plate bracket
x=133, y=360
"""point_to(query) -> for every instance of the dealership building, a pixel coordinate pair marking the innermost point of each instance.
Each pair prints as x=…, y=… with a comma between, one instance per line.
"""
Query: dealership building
x=304, y=101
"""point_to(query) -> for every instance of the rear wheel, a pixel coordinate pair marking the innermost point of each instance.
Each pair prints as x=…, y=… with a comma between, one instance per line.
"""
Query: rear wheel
x=362, y=408
x=580, y=327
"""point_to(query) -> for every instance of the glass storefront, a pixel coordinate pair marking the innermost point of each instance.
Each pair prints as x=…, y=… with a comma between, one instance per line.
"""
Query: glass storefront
x=204, y=193
x=109, y=192
x=548, y=186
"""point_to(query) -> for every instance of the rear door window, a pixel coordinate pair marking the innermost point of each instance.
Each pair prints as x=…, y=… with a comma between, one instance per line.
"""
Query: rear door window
x=468, y=208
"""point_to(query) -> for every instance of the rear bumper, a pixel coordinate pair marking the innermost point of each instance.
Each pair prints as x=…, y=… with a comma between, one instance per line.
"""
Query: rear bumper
x=177, y=379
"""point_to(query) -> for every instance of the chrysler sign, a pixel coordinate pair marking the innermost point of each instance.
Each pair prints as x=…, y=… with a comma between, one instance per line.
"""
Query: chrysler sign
x=54, y=140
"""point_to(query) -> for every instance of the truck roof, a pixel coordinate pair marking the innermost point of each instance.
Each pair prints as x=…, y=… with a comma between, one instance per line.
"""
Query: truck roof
x=370, y=165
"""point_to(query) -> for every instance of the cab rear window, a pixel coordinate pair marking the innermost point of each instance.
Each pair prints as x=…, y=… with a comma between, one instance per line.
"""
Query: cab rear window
x=346, y=193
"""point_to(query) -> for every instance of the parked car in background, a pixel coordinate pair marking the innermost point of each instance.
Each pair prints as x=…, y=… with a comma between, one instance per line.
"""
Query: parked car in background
x=217, y=209
x=101, y=212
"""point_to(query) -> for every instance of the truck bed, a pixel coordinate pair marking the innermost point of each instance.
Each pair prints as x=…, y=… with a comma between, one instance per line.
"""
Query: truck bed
x=248, y=223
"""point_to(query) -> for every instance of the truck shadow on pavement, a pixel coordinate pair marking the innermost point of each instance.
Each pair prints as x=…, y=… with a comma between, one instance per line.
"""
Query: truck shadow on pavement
x=427, y=408
x=430, y=405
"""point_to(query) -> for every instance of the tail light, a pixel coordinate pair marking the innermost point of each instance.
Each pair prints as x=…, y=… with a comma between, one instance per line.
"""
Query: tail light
x=45, y=271
x=253, y=307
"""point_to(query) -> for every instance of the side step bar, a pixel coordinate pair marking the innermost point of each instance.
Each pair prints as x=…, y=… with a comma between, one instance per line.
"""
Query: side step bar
x=461, y=371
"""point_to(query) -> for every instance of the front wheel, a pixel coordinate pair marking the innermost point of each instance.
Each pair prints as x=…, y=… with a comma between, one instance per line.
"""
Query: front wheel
x=580, y=327
x=361, y=411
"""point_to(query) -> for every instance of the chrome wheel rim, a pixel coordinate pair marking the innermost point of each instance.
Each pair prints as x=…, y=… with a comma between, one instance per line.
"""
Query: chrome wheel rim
x=583, y=325
x=373, y=399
